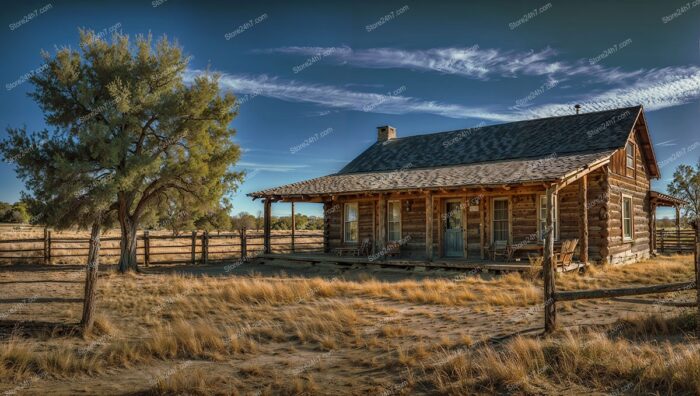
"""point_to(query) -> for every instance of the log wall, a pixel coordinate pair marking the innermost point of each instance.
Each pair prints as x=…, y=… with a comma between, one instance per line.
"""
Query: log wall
x=604, y=217
x=635, y=184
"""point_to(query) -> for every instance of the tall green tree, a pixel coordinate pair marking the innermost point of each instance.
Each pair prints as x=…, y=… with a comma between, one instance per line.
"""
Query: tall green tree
x=66, y=193
x=175, y=214
x=148, y=132
x=686, y=186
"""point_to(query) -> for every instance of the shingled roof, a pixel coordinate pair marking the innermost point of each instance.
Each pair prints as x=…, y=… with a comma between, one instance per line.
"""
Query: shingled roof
x=543, y=149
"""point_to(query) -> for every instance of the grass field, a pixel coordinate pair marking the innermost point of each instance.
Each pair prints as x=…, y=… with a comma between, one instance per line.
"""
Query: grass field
x=259, y=330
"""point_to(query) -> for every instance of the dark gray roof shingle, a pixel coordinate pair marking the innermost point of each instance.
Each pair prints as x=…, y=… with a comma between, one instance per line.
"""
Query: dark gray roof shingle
x=522, y=139
x=489, y=173
x=518, y=152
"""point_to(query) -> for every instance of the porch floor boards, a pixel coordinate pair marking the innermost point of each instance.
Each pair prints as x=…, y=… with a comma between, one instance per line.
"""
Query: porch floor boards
x=453, y=263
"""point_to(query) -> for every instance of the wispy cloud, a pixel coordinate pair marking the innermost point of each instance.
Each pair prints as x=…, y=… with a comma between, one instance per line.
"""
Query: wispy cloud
x=339, y=98
x=666, y=143
x=473, y=62
x=655, y=89
x=271, y=167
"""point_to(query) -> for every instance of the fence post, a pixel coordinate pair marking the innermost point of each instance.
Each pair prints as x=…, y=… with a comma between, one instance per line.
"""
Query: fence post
x=205, y=247
x=697, y=275
x=146, y=249
x=663, y=247
x=48, y=246
x=194, y=247
x=550, y=310
x=244, y=244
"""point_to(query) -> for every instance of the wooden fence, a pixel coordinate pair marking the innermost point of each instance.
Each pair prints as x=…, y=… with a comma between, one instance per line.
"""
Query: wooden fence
x=674, y=241
x=191, y=248
x=551, y=296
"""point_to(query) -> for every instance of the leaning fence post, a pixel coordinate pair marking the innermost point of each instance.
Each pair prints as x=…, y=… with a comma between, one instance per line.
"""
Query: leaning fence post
x=146, y=249
x=194, y=247
x=244, y=243
x=48, y=246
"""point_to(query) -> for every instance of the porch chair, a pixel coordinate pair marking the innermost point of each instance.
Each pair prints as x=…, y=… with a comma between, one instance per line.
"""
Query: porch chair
x=500, y=249
x=393, y=249
x=358, y=250
x=566, y=255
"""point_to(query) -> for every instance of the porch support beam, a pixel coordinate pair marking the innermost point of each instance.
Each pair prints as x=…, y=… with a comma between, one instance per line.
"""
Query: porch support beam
x=482, y=224
x=381, y=222
x=583, y=221
x=652, y=228
x=294, y=226
x=678, y=227
x=548, y=266
x=429, y=226
x=266, y=225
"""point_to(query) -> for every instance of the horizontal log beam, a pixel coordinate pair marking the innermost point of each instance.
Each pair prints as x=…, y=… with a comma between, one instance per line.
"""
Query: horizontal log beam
x=632, y=291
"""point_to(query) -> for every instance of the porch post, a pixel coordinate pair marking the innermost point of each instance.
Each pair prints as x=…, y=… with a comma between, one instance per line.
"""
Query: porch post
x=652, y=228
x=583, y=223
x=381, y=223
x=429, y=226
x=678, y=228
x=294, y=226
x=548, y=267
x=266, y=225
x=482, y=224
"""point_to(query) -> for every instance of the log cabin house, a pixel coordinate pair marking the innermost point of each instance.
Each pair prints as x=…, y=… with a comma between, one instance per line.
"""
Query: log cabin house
x=452, y=196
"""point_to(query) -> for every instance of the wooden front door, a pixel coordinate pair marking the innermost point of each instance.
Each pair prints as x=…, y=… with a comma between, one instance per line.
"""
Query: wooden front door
x=454, y=242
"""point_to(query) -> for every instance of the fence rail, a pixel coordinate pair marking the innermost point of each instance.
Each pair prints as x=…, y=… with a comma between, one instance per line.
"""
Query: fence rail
x=675, y=241
x=192, y=248
x=683, y=238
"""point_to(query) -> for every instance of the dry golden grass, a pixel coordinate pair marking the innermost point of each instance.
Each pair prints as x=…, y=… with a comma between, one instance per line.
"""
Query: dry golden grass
x=590, y=359
x=287, y=335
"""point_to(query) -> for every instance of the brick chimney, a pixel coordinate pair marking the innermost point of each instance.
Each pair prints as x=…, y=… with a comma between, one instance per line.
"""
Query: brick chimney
x=385, y=133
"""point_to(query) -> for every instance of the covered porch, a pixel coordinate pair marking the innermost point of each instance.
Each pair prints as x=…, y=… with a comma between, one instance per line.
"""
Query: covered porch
x=472, y=266
x=656, y=200
x=497, y=227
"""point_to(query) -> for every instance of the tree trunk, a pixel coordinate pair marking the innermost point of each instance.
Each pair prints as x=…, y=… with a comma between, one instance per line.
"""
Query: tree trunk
x=127, y=259
x=91, y=279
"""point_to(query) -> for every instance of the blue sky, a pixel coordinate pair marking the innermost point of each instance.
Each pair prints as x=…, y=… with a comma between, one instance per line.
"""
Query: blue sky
x=331, y=73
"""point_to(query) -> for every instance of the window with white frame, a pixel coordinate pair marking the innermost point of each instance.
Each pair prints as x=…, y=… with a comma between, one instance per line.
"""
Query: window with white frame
x=394, y=220
x=542, y=224
x=627, y=224
x=350, y=222
x=629, y=161
x=500, y=219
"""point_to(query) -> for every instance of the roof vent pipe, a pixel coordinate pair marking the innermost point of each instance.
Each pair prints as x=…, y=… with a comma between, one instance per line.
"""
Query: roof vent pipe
x=578, y=108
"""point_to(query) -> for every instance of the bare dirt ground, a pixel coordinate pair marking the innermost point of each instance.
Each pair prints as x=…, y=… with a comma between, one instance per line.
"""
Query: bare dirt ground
x=283, y=328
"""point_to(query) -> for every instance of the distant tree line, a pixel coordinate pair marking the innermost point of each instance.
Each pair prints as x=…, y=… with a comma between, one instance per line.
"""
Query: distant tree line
x=177, y=218
x=17, y=212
